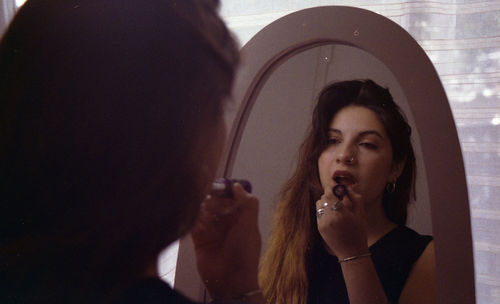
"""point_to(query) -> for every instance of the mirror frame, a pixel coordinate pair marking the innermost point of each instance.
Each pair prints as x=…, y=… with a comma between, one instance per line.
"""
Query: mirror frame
x=420, y=83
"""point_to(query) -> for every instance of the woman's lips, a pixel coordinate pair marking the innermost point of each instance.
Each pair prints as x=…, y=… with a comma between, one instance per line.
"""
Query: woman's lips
x=344, y=178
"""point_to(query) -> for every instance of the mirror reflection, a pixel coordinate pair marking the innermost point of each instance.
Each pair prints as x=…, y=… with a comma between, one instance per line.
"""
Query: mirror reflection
x=282, y=114
x=284, y=109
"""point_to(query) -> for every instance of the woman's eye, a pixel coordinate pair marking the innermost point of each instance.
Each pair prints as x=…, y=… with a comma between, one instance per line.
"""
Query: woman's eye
x=332, y=141
x=368, y=145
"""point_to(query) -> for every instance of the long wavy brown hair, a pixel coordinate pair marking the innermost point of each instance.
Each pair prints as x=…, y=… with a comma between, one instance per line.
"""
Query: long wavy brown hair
x=284, y=268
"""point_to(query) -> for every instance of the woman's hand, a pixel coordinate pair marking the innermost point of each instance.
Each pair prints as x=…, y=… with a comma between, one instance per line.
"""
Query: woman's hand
x=227, y=244
x=344, y=229
x=344, y=232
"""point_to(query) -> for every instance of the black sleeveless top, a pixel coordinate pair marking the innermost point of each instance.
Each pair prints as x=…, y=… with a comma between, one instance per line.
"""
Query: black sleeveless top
x=393, y=256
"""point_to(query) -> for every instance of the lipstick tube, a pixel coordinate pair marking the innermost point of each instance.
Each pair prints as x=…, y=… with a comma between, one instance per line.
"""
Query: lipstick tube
x=224, y=186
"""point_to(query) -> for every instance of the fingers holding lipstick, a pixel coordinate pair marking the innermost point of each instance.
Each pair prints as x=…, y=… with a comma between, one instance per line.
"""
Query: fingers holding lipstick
x=342, y=229
x=227, y=243
x=219, y=212
x=226, y=195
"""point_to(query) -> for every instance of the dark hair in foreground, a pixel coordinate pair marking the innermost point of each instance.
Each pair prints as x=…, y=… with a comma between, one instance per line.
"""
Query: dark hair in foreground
x=103, y=106
x=295, y=237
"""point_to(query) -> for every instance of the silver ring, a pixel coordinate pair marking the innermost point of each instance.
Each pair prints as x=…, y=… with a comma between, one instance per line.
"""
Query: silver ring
x=320, y=212
x=338, y=205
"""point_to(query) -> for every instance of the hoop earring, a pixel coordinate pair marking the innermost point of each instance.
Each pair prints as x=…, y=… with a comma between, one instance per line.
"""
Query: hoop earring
x=390, y=187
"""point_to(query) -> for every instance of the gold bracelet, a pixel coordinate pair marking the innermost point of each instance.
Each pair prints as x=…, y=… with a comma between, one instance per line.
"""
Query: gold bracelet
x=355, y=257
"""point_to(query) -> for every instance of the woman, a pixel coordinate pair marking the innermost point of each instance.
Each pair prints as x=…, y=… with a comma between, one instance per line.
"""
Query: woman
x=353, y=248
x=111, y=130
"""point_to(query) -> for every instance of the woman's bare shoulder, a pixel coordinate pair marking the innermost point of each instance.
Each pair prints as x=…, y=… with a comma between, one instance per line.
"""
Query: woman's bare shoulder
x=421, y=284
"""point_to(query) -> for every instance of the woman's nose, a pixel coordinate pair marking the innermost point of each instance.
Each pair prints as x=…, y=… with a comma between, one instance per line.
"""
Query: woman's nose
x=346, y=155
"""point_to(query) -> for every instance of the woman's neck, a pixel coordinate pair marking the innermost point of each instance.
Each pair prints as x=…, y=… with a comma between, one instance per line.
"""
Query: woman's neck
x=377, y=224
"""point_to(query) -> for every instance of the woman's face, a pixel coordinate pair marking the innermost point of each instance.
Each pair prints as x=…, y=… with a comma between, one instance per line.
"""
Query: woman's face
x=359, y=152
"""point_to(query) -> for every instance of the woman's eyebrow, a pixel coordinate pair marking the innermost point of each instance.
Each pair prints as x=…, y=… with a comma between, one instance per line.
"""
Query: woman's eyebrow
x=371, y=132
x=331, y=130
x=361, y=134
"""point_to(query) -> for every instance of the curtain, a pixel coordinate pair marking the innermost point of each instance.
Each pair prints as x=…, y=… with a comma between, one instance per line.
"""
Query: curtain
x=462, y=39
x=7, y=10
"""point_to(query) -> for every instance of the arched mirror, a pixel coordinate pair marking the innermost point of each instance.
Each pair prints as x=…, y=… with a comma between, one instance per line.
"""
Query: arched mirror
x=283, y=68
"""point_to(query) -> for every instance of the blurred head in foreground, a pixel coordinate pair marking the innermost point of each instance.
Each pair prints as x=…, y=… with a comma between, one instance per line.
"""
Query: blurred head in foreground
x=111, y=129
